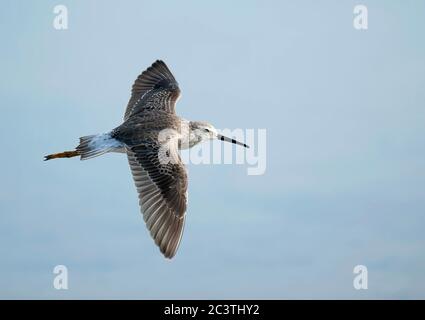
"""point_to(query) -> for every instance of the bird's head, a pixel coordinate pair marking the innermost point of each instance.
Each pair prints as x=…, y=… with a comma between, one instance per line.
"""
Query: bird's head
x=205, y=131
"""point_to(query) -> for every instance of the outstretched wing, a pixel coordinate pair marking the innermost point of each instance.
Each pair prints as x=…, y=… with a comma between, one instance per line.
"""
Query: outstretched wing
x=162, y=191
x=155, y=89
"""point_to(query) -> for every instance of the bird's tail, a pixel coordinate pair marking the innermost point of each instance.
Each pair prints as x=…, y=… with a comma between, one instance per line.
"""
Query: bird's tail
x=90, y=147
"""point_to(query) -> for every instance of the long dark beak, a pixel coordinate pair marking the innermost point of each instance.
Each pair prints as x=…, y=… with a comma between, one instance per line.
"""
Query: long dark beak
x=223, y=138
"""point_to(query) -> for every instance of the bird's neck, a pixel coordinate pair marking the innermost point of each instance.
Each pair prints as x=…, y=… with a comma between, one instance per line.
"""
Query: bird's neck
x=189, y=136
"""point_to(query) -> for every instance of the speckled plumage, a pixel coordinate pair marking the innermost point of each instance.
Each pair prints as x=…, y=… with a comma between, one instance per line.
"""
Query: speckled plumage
x=162, y=187
x=151, y=136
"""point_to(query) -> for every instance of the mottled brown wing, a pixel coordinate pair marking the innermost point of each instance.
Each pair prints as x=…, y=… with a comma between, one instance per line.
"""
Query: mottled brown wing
x=155, y=89
x=162, y=189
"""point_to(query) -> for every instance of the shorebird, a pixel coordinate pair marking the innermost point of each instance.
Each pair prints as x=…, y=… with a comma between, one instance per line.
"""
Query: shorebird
x=160, y=177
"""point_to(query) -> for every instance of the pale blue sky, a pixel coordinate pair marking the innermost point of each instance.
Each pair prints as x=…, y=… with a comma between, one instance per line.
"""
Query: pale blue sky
x=344, y=112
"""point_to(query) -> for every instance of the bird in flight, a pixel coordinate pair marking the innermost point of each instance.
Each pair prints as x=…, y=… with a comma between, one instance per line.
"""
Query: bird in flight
x=151, y=135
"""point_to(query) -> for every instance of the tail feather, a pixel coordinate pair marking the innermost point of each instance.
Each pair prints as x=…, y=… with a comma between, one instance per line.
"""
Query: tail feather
x=94, y=145
x=90, y=147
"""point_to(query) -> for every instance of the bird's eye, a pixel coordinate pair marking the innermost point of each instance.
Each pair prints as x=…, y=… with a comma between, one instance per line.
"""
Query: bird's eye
x=207, y=130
